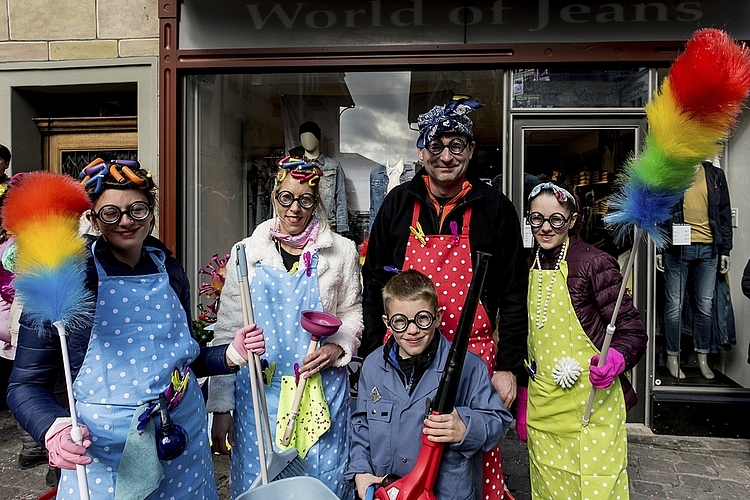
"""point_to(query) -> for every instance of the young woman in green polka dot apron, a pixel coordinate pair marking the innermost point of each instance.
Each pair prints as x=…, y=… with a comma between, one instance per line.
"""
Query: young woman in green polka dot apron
x=566, y=459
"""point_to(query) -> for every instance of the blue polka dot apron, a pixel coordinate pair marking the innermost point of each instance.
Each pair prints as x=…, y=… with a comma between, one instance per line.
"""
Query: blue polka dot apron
x=566, y=459
x=140, y=335
x=446, y=260
x=278, y=300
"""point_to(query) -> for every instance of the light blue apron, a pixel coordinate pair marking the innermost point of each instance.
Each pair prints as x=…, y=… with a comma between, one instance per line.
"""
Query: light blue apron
x=278, y=299
x=140, y=335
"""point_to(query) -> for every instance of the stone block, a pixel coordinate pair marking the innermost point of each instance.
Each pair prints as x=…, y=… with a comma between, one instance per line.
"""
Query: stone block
x=139, y=47
x=88, y=49
x=52, y=19
x=128, y=19
x=23, y=51
x=4, y=21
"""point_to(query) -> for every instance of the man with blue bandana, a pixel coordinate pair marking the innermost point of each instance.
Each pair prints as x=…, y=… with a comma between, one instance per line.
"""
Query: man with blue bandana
x=435, y=223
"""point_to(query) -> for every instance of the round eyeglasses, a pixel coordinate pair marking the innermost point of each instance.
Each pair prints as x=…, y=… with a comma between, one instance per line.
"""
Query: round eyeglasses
x=111, y=214
x=399, y=323
x=456, y=146
x=556, y=220
x=287, y=199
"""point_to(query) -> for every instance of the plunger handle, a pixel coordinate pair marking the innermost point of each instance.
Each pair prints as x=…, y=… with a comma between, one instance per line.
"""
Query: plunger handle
x=299, y=392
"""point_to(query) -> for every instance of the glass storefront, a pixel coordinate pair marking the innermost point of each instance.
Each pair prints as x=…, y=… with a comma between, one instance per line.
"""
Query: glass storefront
x=575, y=126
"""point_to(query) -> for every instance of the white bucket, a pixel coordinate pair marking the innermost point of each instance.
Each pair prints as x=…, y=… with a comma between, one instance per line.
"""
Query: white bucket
x=290, y=488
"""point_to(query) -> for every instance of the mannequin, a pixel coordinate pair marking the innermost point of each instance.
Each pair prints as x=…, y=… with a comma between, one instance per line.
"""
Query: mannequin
x=333, y=183
x=383, y=178
x=705, y=208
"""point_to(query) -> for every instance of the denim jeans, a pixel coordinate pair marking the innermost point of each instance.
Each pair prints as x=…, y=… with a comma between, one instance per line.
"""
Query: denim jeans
x=693, y=267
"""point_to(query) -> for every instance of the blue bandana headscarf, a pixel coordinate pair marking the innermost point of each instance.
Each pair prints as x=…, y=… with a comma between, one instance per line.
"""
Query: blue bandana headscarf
x=450, y=118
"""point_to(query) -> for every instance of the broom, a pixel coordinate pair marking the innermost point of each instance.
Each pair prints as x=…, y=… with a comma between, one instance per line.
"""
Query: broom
x=43, y=212
x=689, y=119
x=273, y=465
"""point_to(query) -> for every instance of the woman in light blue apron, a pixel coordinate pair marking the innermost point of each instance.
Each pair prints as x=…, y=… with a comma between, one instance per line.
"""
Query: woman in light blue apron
x=295, y=263
x=136, y=359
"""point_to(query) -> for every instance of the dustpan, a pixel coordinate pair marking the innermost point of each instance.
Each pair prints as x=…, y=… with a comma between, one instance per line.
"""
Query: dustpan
x=290, y=488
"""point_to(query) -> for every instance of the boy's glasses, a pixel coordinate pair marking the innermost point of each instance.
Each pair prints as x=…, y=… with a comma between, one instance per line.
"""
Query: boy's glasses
x=456, y=146
x=399, y=323
x=287, y=199
x=556, y=220
x=111, y=214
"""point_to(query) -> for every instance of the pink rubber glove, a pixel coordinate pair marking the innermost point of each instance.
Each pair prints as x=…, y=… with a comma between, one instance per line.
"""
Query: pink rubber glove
x=614, y=365
x=248, y=338
x=62, y=450
x=521, y=402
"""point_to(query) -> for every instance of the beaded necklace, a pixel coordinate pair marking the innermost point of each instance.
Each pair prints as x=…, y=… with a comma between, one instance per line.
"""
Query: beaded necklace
x=541, y=314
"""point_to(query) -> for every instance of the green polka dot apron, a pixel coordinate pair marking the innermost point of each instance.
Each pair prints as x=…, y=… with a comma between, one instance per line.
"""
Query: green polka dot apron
x=140, y=335
x=278, y=300
x=446, y=260
x=566, y=459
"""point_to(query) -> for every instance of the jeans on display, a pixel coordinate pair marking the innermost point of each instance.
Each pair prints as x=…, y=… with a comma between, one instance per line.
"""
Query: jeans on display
x=379, y=186
x=693, y=266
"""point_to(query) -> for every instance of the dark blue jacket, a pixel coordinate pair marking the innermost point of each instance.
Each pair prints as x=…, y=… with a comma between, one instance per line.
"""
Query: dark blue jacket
x=38, y=364
x=719, y=210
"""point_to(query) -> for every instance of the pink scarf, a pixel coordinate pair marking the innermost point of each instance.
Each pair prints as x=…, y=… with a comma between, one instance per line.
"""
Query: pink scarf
x=299, y=240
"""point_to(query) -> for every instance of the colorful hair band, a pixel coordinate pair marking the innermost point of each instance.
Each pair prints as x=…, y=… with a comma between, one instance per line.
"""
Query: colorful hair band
x=561, y=194
x=300, y=170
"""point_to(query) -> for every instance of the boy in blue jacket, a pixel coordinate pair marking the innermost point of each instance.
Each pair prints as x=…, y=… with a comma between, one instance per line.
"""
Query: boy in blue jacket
x=395, y=383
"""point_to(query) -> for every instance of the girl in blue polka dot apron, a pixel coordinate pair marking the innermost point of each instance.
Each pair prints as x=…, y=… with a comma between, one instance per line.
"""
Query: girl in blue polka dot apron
x=278, y=299
x=140, y=335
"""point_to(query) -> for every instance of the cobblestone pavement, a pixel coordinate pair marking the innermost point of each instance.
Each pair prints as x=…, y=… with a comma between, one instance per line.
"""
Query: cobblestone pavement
x=660, y=467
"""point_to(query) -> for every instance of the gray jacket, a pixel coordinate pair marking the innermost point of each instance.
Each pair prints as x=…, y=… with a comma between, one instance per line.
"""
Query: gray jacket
x=387, y=430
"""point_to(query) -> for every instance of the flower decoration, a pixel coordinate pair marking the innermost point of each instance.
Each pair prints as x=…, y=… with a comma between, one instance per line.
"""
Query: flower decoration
x=216, y=269
x=566, y=372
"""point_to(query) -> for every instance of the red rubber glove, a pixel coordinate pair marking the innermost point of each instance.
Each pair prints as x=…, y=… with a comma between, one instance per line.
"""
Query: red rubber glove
x=63, y=451
x=614, y=365
x=521, y=404
x=248, y=338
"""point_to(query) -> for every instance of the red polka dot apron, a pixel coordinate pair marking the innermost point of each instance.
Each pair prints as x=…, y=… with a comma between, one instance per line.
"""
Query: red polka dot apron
x=446, y=260
x=566, y=459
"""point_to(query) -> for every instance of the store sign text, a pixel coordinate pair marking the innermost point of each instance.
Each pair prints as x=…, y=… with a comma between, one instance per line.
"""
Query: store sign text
x=373, y=17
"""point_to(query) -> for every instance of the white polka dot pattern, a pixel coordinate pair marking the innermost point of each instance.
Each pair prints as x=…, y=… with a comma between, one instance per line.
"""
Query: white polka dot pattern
x=278, y=299
x=140, y=336
x=566, y=459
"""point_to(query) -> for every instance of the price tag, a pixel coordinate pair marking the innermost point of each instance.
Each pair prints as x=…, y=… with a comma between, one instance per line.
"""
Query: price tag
x=528, y=237
x=680, y=234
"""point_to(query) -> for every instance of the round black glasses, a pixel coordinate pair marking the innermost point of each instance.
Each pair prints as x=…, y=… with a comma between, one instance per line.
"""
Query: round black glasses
x=556, y=220
x=456, y=146
x=287, y=199
x=111, y=214
x=399, y=323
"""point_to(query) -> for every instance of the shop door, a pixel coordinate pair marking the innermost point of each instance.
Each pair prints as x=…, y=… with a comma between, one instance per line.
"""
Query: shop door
x=585, y=155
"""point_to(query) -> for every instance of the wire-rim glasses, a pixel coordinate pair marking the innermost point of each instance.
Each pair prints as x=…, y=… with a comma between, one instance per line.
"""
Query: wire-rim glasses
x=286, y=199
x=111, y=214
x=456, y=146
x=399, y=323
x=556, y=220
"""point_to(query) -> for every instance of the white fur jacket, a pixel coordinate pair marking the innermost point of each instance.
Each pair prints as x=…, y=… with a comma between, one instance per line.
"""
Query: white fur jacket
x=340, y=294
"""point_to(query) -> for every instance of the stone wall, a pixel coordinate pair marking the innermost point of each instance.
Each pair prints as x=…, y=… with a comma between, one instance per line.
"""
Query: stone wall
x=60, y=30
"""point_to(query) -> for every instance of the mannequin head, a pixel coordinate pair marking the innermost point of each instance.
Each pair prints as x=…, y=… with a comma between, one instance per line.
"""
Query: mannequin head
x=309, y=137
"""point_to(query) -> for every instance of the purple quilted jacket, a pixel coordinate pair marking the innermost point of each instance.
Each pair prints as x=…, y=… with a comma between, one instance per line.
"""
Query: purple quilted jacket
x=594, y=281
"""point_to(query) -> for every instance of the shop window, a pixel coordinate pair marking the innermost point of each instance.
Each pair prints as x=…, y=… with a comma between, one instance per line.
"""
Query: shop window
x=580, y=88
x=238, y=126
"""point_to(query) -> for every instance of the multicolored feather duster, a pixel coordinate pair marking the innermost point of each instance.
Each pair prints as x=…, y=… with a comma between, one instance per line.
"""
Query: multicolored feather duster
x=43, y=211
x=689, y=119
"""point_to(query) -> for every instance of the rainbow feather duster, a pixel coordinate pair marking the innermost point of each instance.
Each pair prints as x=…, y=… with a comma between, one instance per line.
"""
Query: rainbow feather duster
x=689, y=119
x=43, y=211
